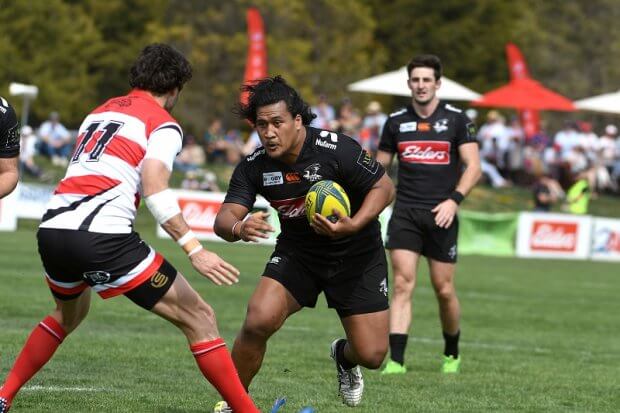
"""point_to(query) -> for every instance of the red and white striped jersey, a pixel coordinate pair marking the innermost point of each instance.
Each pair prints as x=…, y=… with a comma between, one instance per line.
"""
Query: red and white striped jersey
x=101, y=189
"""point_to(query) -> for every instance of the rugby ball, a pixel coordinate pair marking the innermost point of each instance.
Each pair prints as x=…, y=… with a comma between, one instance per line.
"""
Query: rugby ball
x=324, y=197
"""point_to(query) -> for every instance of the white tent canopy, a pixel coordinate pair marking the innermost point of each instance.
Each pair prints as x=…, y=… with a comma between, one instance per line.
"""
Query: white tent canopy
x=395, y=83
x=606, y=103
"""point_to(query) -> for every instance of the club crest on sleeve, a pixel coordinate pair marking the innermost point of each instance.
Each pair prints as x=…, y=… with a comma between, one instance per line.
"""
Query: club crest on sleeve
x=366, y=161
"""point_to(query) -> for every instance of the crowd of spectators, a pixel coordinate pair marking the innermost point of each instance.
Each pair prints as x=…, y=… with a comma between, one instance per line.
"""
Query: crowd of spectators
x=551, y=164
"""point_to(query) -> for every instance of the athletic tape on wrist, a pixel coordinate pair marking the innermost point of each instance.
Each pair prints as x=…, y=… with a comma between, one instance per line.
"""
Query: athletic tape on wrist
x=163, y=205
x=189, y=235
x=195, y=250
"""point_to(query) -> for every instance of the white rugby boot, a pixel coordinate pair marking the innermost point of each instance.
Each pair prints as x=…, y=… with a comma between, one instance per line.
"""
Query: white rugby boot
x=350, y=382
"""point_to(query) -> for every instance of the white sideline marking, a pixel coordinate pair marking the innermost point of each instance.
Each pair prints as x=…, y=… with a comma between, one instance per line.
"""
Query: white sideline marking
x=60, y=388
x=477, y=344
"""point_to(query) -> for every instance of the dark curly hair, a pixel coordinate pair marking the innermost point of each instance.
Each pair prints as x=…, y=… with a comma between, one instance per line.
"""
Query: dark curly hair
x=160, y=68
x=269, y=91
x=426, y=60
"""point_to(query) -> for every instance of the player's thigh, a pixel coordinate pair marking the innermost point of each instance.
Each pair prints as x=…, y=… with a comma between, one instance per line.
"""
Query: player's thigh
x=404, y=265
x=70, y=312
x=442, y=275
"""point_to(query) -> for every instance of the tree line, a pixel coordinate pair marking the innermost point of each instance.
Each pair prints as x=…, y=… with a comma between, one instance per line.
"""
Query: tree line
x=78, y=51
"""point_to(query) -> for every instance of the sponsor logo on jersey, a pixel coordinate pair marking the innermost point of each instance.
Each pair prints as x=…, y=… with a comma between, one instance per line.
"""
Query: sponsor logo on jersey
x=292, y=177
x=325, y=144
x=424, y=126
x=311, y=173
x=275, y=260
x=97, y=277
x=290, y=208
x=272, y=178
x=158, y=280
x=255, y=155
x=554, y=236
x=408, y=127
x=367, y=162
x=441, y=125
x=332, y=136
x=425, y=152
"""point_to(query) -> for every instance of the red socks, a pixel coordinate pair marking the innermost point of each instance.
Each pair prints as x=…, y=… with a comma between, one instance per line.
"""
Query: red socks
x=39, y=348
x=217, y=366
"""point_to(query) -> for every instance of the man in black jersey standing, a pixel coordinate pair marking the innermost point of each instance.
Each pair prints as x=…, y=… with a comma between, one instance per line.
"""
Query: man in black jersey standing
x=9, y=148
x=431, y=139
x=345, y=260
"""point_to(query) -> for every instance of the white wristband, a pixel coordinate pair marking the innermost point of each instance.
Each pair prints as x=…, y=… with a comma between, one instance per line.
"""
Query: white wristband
x=163, y=205
x=189, y=235
x=195, y=250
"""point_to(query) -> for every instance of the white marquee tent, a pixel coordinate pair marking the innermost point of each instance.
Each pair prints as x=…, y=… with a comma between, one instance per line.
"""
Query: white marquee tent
x=395, y=83
x=607, y=103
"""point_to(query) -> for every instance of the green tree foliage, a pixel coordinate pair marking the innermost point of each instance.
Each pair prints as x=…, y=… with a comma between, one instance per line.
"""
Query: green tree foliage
x=51, y=44
x=318, y=46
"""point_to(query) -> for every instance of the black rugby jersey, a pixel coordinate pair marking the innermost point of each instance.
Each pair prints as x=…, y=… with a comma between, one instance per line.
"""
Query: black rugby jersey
x=324, y=155
x=427, y=149
x=9, y=130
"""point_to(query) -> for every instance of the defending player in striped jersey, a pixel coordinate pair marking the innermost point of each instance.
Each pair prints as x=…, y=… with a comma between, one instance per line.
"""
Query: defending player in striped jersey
x=9, y=148
x=125, y=150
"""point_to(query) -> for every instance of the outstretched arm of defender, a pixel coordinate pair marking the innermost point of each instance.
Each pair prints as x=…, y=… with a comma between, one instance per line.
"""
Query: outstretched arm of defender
x=164, y=206
x=233, y=224
x=380, y=195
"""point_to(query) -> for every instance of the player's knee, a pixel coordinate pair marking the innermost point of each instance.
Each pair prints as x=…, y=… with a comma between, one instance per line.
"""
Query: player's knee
x=403, y=284
x=372, y=357
x=258, y=323
x=445, y=292
x=202, y=319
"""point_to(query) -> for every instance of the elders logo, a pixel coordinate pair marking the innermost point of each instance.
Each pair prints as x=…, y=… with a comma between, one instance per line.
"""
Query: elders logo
x=199, y=214
x=290, y=208
x=425, y=152
x=554, y=236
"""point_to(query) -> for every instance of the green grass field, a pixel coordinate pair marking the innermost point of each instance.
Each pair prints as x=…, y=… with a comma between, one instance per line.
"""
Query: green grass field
x=537, y=336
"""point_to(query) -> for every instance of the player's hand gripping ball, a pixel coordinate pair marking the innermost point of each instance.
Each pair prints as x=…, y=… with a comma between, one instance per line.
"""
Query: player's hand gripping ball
x=324, y=197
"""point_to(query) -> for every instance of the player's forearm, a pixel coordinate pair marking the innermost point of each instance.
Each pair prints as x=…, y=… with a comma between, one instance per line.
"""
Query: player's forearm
x=469, y=179
x=379, y=197
x=223, y=226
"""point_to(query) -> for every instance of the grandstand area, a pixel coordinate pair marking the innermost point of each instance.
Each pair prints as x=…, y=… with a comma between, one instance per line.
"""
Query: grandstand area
x=538, y=335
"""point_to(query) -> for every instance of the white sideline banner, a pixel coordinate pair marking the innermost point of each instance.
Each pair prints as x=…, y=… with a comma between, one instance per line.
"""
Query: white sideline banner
x=200, y=208
x=32, y=200
x=606, y=240
x=544, y=235
x=8, y=211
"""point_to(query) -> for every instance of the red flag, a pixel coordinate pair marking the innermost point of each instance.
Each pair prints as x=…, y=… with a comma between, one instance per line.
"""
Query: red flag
x=256, y=62
x=530, y=119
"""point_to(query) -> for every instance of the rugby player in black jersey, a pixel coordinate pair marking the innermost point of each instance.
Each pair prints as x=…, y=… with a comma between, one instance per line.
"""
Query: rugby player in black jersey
x=9, y=148
x=345, y=260
x=431, y=139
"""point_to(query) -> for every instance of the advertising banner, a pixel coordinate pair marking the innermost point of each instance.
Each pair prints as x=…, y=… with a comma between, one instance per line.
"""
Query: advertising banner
x=487, y=234
x=606, y=239
x=546, y=235
x=200, y=208
x=33, y=199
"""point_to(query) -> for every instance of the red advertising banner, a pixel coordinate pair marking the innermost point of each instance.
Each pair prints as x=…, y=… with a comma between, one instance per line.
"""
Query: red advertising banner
x=530, y=119
x=256, y=60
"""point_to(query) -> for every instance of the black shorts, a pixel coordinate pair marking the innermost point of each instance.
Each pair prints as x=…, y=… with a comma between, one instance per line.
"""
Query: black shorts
x=356, y=284
x=415, y=230
x=111, y=264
